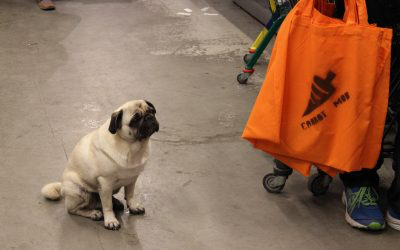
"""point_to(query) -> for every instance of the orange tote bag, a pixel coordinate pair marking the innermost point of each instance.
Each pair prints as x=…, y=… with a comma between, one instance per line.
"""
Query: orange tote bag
x=324, y=98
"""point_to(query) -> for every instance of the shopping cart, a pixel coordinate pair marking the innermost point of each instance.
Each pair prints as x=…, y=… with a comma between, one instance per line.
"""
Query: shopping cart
x=319, y=182
x=263, y=33
x=279, y=10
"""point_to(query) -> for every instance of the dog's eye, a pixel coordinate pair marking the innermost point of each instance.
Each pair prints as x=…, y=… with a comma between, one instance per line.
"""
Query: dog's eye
x=135, y=120
x=136, y=117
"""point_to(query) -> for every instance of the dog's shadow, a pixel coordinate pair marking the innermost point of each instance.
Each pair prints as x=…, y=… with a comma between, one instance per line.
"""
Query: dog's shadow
x=96, y=1
x=81, y=233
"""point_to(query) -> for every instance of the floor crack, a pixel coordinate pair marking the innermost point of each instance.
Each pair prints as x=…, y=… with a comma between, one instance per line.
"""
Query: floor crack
x=48, y=121
x=226, y=137
x=98, y=237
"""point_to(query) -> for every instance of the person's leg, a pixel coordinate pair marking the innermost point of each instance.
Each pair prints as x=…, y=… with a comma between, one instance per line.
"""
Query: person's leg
x=365, y=177
x=393, y=213
x=361, y=199
x=46, y=4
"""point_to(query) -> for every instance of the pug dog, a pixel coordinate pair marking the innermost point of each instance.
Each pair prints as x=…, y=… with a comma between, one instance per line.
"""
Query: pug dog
x=106, y=160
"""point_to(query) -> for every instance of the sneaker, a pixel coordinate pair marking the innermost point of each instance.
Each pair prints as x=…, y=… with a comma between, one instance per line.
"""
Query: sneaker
x=46, y=4
x=393, y=219
x=362, y=209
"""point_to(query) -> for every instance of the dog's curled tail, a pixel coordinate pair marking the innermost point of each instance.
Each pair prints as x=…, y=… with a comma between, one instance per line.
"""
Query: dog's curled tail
x=52, y=191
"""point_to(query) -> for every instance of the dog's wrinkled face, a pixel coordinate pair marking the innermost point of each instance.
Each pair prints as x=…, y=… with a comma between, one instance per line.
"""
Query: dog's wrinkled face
x=134, y=121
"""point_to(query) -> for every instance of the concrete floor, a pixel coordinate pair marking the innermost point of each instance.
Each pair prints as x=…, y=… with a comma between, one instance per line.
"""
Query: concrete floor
x=63, y=72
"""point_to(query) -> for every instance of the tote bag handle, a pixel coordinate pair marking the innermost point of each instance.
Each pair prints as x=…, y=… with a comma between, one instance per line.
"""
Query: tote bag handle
x=355, y=11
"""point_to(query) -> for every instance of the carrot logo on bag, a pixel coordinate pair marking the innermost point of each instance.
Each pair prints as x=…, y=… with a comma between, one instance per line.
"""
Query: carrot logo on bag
x=321, y=91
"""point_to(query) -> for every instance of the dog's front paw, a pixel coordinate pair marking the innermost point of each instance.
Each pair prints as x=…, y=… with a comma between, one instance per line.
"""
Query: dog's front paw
x=137, y=210
x=96, y=215
x=112, y=224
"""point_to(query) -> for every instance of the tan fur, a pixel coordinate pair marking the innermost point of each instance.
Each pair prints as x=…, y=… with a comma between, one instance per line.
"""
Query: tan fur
x=102, y=163
x=52, y=191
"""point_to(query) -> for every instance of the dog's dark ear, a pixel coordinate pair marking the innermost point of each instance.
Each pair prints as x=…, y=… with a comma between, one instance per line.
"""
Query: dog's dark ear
x=116, y=122
x=152, y=108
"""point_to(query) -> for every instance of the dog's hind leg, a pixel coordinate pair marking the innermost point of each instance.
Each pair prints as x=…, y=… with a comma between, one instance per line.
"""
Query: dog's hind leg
x=75, y=205
x=77, y=202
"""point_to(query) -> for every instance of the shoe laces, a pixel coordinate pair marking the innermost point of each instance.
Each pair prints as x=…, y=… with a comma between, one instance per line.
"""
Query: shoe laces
x=365, y=196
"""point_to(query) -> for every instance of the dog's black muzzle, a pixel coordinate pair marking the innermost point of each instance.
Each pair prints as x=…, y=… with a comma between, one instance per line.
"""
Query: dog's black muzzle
x=148, y=127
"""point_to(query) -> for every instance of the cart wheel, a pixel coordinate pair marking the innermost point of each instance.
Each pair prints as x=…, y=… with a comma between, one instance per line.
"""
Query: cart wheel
x=273, y=183
x=247, y=58
x=243, y=77
x=318, y=184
